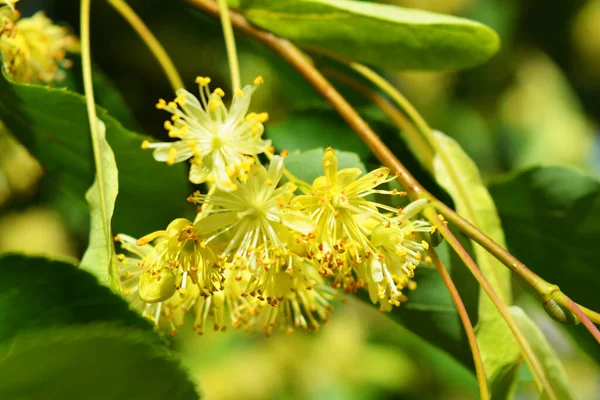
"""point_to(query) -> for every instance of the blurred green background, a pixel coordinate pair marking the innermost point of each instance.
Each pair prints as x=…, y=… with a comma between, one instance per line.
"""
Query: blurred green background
x=536, y=102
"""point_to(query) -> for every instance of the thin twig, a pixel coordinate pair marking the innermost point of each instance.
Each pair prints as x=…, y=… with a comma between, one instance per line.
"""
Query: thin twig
x=464, y=317
x=151, y=41
x=234, y=67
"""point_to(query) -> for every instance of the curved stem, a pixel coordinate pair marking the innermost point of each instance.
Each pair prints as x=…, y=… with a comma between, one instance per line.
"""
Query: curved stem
x=530, y=357
x=484, y=393
x=153, y=44
x=234, y=67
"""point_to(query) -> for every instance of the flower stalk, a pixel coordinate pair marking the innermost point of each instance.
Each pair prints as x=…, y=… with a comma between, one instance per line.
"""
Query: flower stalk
x=484, y=393
x=234, y=67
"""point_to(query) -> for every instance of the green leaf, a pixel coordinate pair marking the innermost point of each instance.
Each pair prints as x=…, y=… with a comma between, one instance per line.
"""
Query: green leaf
x=53, y=125
x=460, y=178
x=309, y=130
x=308, y=165
x=38, y=292
x=382, y=35
x=98, y=258
x=98, y=361
x=545, y=353
x=63, y=336
x=551, y=216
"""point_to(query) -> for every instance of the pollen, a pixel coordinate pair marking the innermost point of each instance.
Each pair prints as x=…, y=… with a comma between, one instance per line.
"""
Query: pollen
x=259, y=80
x=202, y=81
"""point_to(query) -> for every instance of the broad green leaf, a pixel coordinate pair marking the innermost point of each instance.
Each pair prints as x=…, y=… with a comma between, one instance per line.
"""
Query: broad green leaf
x=98, y=258
x=310, y=130
x=64, y=336
x=460, y=177
x=545, y=353
x=382, y=35
x=551, y=216
x=53, y=125
x=308, y=165
x=96, y=361
x=38, y=292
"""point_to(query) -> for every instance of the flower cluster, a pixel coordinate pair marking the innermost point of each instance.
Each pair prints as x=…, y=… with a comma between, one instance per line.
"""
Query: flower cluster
x=33, y=49
x=265, y=251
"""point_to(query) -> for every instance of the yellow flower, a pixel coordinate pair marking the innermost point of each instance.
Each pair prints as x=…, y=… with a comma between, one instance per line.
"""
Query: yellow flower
x=343, y=215
x=182, y=250
x=398, y=253
x=174, y=300
x=297, y=297
x=219, y=142
x=229, y=306
x=36, y=49
x=255, y=221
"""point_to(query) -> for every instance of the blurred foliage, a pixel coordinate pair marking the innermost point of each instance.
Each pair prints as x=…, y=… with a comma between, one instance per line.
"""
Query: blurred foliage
x=536, y=101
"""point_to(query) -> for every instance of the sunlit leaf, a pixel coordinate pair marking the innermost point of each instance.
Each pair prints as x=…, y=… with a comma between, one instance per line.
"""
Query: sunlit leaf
x=378, y=34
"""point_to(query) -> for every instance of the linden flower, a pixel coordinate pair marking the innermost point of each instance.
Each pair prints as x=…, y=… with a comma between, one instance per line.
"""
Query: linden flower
x=218, y=141
x=391, y=269
x=35, y=51
x=181, y=251
x=342, y=213
x=228, y=306
x=137, y=284
x=297, y=297
x=256, y=220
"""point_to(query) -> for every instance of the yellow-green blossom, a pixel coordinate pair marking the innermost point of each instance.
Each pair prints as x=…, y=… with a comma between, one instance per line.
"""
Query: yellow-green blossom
x=35, y=51
x=339, y=206
x=398, y=253
x=172, y=298
x=229, y=306
x=181, y=250
x=219, y=142
x=297, y=297
x=255, y=221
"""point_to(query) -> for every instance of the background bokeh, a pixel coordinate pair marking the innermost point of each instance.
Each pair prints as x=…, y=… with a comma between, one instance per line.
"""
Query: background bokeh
x=536, y=102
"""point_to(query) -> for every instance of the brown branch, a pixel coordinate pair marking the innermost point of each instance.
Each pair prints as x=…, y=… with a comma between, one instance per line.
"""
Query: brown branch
x=464, y=317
